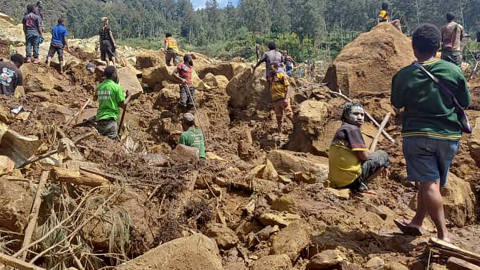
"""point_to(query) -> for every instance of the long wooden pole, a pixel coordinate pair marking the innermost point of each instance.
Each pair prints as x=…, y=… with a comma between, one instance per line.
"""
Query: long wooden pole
x=380, y=129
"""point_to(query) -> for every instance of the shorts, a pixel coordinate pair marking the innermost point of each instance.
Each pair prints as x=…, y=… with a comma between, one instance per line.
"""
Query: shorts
x=428, y=160
x=280, y=108
x=56, y=48
x=107, y=50
x=172, y=54
x=452, y=56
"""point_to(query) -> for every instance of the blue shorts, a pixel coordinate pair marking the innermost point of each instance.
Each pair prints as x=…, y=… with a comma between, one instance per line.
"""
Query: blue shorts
x=428, y=160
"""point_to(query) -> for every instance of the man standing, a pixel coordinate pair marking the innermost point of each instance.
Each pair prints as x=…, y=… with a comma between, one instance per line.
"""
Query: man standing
x=452, y=35
x=171, y=50
x=32, y=27
x=110, y=98
x=351, y=164
x=431, y=128
x=38, y=9
x=59, y=41
x=191, y=136
x=288, y=61
x=184, y=74
x=280, y=92
x=271, y=57
x=10, y=75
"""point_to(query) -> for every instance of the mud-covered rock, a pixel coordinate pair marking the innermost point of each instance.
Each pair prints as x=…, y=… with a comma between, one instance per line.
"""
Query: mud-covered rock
x=219, y=81
x=15, y=205
x=291, y=240
x=235, y=266
x=395, y=266
x=474, y=142
x=281, y=220
x=375, y=263
x=195, y=252
x=227, y=69
x=168, y=98
x=265, y=171
x=249, y=89
x=287, y=162
x=459, y=201
x=149, y=58
x=273, y=262
x=224, y=236
x=285, y=203
x=309, y=124
x=326, y=259
x=163, y=75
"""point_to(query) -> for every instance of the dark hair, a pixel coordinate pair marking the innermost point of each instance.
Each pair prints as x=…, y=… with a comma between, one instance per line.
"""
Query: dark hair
x=61, y=21
x=39, y=3
x=347, y=108
x=385, y=6
x=17, y=58
x=272, y=45
x=426, y=38
x=168, y=35
x=450, y=16
x=30, y=8
x=109, y=71
x=187, y=57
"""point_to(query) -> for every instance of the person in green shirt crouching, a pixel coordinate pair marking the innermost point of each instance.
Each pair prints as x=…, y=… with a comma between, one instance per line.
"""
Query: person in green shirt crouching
x=191, y=136
x=110, y=98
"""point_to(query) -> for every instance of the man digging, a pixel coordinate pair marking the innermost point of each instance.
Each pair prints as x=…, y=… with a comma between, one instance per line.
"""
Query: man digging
x=184, y=74
x=191, y=136
x=351, y=164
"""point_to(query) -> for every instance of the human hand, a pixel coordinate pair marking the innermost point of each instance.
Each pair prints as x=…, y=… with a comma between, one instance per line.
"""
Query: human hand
x=127, y=94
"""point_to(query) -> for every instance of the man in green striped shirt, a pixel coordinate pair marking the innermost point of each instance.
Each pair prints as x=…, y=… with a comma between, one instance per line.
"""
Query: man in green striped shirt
x=431, y=128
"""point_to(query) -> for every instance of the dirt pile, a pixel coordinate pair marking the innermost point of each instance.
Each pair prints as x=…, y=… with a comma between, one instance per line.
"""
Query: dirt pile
x=368, y=64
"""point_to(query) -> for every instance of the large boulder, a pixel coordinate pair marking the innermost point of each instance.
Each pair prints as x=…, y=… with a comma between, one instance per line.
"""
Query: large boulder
x=309, y=125
x=368, y=64
x=459, y=201
x=163, y=75
x=129, y=81
x=218, y=81
x=15, y=205
x=227, y=69
x=196, y=252
x=150, y=58
x=273, y=262
x=224, y=236
x=287, y=162
x=291, y=240
x=249, y=89
x=474, y=142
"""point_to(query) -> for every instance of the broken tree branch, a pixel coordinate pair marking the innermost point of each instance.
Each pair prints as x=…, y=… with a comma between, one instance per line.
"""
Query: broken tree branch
x=458, y=264
x=18, y=264
x=454, y=251
x=366, y=113
x=78, y=113
x=380, y=129
x=78, y=178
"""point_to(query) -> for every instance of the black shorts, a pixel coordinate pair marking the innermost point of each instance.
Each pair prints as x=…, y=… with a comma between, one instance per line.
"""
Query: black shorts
x=56, y=48
x=106, y=49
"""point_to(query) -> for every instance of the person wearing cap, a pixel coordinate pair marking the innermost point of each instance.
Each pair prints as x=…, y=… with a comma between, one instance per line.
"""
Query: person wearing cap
x=110, y=97
x=191, y=136
x=10, y=75
x=351, y=164
x=59, y=41
x=107, y=43
x=171, y=49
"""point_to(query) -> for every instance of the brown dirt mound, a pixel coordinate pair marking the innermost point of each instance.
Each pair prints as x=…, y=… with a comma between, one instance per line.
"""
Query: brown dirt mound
x=369, y=62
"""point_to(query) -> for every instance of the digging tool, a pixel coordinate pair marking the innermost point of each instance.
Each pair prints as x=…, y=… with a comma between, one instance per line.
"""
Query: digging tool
x=196, y=115
x=121, y=120
x=366, y=113
x=377, y=136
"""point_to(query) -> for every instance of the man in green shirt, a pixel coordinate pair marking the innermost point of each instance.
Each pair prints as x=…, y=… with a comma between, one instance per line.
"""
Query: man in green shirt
x=110, y=98
x=191, y=136
x=431, y=128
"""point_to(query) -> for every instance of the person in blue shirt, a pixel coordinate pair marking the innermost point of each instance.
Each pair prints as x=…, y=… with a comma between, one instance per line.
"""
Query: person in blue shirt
x=59, y=41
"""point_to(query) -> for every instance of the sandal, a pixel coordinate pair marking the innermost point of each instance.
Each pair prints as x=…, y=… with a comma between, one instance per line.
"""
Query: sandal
x=407, y=230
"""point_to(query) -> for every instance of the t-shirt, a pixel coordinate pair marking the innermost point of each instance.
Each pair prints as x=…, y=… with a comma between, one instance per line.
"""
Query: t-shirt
x=59, y=32
x=270, y=58
x=38, y=11
x=171, y=43
x=10, y=78
x=429, y=111
x=185, y=72
x=452, y=34
x=383, y=15
x=194, y=138
x=279, y=86
x=344, y=165
x=32, y=21
x=110, y=94
x=105, y=33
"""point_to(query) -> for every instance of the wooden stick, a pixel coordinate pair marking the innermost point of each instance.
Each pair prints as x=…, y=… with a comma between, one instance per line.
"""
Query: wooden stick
x=34, y=213
x=17, y=264
x=380, y=129
x=111, y=177
x=121, y=120
x=458, y=264
x=452, y=250
x=367, y=114
x=77, y=261
x=78, y=113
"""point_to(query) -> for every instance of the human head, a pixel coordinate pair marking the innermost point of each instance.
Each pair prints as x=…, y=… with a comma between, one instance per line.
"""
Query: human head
x=385, y=6
x=17, y=59
x=426, y=40
x=274, y=68
x=39, y=3
x=450, y=17
x=30, y=8
x=353, y=113
x=167, y=35
x=188, y=121
x=110, y=73
x=187, y=58
x=272, y=46
x=105, y=20
x=61, y=21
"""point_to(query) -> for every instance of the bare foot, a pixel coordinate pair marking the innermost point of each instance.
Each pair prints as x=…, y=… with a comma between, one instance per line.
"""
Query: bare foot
x=445, y=238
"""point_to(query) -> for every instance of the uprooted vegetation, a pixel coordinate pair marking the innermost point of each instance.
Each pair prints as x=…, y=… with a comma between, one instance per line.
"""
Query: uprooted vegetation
x=256, y=203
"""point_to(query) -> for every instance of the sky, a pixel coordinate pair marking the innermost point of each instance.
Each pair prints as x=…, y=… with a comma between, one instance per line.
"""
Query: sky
x=201, y=3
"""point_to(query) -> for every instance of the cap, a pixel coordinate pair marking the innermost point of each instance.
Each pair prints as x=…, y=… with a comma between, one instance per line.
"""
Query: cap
x=104, y=19
x=189, y=117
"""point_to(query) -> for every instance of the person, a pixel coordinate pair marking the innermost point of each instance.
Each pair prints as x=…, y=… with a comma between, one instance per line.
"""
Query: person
x=11, y=76
x=288, y=62
x=280, y=92
x=452, y=35
x=32, y=27
x=431, y=129
x=59, y=41
x=191, y=136
x=351, y=164
x=184, y=74
x=384, y=17
x=271, y=57
x=110, y=98
x=171, y=48
x=38, y=9
x=107, y=43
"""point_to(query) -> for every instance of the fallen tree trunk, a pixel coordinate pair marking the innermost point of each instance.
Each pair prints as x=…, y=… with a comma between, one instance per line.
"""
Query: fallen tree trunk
x=79, y=178
x=458, y=264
